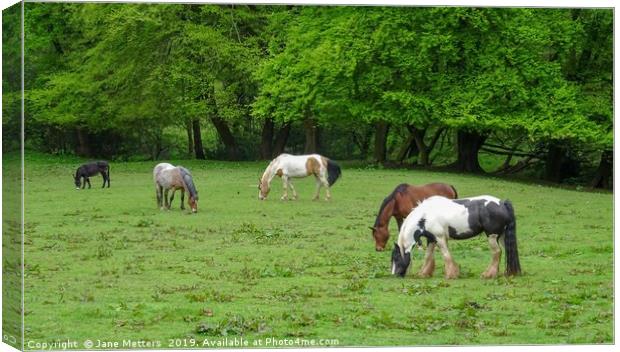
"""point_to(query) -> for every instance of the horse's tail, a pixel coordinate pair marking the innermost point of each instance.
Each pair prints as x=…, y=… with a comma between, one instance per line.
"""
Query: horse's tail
x=456, y=195
x=513, y=267
x=333, y=172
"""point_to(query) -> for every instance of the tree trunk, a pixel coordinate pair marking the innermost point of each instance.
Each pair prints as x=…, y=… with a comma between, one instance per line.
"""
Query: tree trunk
x=418, y=137
x=605, y=171
x=553, y=163
x=83, y=147
x=362, y=140
x=190, y=139
x=200, y=153
x=281, y=139
x=266, y=139
x=381, y=133
x=232, y=152
x=468, y=144
x=312, y=136
x=406, y=149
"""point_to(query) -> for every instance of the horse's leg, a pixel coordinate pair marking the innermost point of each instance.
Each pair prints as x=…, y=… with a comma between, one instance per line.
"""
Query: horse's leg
x=171, y=198
x=182, y=199
x=328, y=193
x=502, y=247
x=108, y=174
x=158, y=196
x=496, y=254
x=103, y=176
x=429, y=261
x=451, y=269
x=88, y=180
x=290, y=183
x=83, y=181
x=160, y=193
x=285, y=185
x=166, y=203
x=318, y=189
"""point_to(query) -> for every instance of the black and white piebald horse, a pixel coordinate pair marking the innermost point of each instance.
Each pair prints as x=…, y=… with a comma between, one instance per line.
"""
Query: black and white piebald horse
x=439, y=219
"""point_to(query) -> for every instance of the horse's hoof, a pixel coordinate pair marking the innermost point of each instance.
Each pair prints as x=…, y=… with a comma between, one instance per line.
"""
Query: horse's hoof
x=487, y=275
x=452, y=274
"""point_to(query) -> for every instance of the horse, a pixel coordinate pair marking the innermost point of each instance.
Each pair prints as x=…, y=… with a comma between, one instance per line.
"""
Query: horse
x=91, y=169
x=166, y=177
x=400, y=203
x=288, y=166
x=439, y=218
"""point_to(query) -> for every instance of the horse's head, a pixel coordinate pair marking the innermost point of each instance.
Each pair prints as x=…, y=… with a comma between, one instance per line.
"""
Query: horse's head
x=263, y=189
x=400, y=261
x=193, y=203
x=381, y=236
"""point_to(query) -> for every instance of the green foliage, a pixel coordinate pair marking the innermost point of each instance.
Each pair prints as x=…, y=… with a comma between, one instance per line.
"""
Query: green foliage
x=133, y=76
x=474, y=69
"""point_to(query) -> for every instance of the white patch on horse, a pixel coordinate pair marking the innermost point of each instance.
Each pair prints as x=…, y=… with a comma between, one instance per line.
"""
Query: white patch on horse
x=486, y=198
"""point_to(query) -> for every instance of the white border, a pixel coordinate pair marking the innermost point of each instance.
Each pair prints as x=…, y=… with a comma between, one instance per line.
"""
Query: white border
x=478, y=3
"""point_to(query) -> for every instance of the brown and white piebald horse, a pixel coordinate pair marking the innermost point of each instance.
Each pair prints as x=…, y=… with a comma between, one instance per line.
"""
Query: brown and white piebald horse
x=289, y=166
x=400, y=203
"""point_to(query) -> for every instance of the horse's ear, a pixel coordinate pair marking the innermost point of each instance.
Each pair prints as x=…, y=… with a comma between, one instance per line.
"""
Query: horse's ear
x=371, y=228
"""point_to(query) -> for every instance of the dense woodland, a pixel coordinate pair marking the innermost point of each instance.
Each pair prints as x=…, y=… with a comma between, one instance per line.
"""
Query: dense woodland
x=529, y=89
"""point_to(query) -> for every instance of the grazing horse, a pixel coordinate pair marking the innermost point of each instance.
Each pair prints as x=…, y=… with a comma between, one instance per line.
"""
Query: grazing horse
x=439, y=218
x=91, y=169
x=167, y=177
x=288, y=166
x=400, y=203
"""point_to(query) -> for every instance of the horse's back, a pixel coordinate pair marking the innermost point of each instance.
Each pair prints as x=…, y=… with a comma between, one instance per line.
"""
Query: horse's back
x=162, y=166
x=431, y=189
x=302, y=157
x=439, y=206
x=92, y=168
x=298, y=165
x=159, y=168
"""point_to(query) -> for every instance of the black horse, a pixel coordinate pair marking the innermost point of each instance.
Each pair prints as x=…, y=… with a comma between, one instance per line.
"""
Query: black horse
x=91, y=169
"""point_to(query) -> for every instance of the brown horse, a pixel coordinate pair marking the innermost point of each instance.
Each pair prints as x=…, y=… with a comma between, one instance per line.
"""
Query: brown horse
x=400, y=203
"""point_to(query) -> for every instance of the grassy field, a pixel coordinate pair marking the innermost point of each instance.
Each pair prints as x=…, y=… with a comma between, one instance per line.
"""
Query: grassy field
x=107, y=264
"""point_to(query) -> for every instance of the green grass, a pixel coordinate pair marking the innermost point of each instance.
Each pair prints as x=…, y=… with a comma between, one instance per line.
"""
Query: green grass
x=107, y=264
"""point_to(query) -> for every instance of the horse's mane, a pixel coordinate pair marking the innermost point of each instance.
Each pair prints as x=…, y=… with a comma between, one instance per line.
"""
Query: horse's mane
x=189, y=182
x=402, y=188
x=267, y=172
